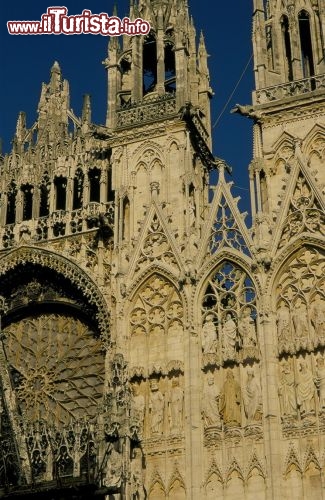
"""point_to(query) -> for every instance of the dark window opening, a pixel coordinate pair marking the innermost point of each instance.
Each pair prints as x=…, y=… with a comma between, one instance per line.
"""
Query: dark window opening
x=170, y=69
x=94, y=184
x=11, y=203
x=27, y=191
x=78, y=185
x=44, y=195
x=110, y=192
x=287, y=47
x=306, y=47
x=149, y=64
x=61, y=192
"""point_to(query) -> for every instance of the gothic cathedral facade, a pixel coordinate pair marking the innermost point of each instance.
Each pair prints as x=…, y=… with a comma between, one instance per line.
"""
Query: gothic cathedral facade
x=152, y=345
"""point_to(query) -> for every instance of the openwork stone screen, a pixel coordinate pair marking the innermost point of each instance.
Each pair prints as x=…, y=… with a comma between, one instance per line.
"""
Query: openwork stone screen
x=229, y=316
x=58, y=368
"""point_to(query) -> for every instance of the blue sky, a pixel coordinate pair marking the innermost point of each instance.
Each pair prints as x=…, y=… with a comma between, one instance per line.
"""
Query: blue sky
x=26, y=63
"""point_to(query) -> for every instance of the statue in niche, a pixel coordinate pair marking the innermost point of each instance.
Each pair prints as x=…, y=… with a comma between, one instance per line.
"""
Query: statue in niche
x=175, y=407
x=191, y=211
x=300, y=320
x=230, y=338
x=114, y=468
x=252, y=398
x=317, y=315
x=320, y=382
x=209, y=335
x=287, y=392
x=230, y=401
x=137, y=487
x=305, y=390
x=246, y=328
x=210, y=404
x=156, y=409
x=138, y=405
x=283, y=321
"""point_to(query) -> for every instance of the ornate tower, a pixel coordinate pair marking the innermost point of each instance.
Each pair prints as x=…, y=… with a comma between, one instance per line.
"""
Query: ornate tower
x=287, y=190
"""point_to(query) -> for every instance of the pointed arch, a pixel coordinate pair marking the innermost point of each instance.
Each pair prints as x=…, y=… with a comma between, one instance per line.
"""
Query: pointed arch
x=157, y=489
x=64, y=267
x=156, y=326
x=227, y=303
x=176, y=485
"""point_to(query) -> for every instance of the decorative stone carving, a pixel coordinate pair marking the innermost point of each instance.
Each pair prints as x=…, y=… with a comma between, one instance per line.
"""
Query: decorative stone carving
x=210, y=403
x=230, y=300
x=305, y=213
x=137, y=483
x=320, y=382
x=137, y=407
x=287, y=391
x=252, y=398
x=301, y=288
x=114, y=468
x=156, y=409
x=176, y=407
x=49, y=386
x=156, y=246
x=283, y=322
x=156, y=324
x=247, y=328
x=317, y=315
x=305, y=390
x=230, y=337
x=230, y=401
x=226, y=231
x=300, y=320
x=209, y=335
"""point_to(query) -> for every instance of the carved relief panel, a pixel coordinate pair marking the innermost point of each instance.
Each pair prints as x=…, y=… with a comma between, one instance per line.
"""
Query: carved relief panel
x=156, y=328
x=301, y=303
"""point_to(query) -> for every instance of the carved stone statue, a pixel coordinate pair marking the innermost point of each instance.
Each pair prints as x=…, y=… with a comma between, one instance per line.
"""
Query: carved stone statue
x=287, y=392
x=138, y=405
x=210, y=404
x=300, y=320
x=246, y=328
x=175, y=407
x=252, y=398
x=230, y=401
x=137, y=488
x=156, y=409
x=283, y=321
x=209, y=335
x=320, y=382
x=305, y=389
x=114, y=468
x=229, y=333
x=317, y=315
